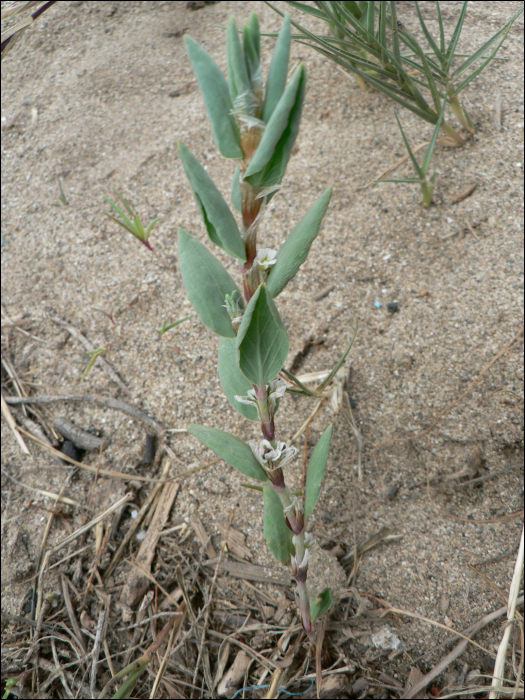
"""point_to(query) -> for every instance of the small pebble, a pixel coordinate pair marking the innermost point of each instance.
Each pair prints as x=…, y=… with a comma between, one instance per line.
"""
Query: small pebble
x=392, y=306
x=377, y=304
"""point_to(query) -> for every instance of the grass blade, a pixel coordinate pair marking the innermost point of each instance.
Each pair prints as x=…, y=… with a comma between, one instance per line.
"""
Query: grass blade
x=430, y=40
x=128, y=223
x=430, y=149
x=441, y=30
x=395, y=32
x=479, y=53
x=123, y=224
x=409, y=150
x=455, y=37
x=126, y=204
x=338, y=364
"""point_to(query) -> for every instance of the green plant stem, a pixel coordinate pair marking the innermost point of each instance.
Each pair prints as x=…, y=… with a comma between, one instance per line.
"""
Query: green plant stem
x=426, y=191
x=296, y=524
x=461, y=113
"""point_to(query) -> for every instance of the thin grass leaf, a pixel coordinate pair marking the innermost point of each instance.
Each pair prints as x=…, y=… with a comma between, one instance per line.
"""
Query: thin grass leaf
x=395, y=32
x=127, y=223
x=455, y=37
x=301, y=386
x=126, y=204
x=138, y=227
x=428, y=36
x=409, y=150
x=338, y=364
x=307, y=9
x=371, y=18
x=382, y=30
x=123, y=224
x=152, y=224
x=430, y=149
x=399, y=179
x=441, y=30
x=479, y=53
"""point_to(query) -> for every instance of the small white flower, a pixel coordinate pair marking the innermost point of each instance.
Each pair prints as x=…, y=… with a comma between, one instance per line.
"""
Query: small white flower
x=302, y=564
x=295, y=505
x=287, y=453
x=276, y=390
x=249, y=399
x=260, y=451
x=266, y=257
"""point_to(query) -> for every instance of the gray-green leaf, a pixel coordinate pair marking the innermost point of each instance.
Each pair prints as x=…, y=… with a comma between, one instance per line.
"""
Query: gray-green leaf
x=235, y=194
x=296, y=247
x=233, y=381
x=240, y=88
x=218, y=219
x=278, y=70
x=271, y=157
x=320, y=604
x=232, y=450
x=217, y=100
x=315, y=470
x=206, y=282
x=277, y=534
x=262, y=343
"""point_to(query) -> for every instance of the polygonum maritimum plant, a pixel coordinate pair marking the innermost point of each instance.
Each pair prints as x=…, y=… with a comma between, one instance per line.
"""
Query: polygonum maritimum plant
x=257, y=126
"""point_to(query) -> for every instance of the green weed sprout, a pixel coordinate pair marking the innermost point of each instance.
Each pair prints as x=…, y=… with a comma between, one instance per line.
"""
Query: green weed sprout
x=95, y=354
x=135, y=226
x=367, y=41
x=256, y=125
x=167, y=326
x=426, y=184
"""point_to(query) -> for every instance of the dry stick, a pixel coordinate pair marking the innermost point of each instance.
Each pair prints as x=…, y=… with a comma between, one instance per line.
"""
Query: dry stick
x=71, y=612
x=392, y=167
x=48, y=494
x=447, y=408
x=88, y=467
x=96, y=652
x=308, y=420
x=103, y=401
x=11, y=423
x=348, y=414
x=71, y=538
x=108, y=369
x=135, y=524
x=60, y=669
x=499, y=666
x=163, y=664
x=457, y=651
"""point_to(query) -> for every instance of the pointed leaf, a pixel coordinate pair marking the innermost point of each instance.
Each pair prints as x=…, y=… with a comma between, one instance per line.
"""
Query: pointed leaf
x=320, y=604
x=233, y=381
x=218, y=219
x=262, y=343
x=232, y=450
x=449, y=54
x=235, y=194
x=296, y=247
x=315, y=471
x=251, y=45
x=240, y=89
x=409, y=150
x=206, y=282
x=277, y=534
x=430, y=149
x=278, y=70
x=271, y=157
x=217, y=100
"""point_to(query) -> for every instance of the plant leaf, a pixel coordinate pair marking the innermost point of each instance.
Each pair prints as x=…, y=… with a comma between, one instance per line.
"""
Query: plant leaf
x=233, y=381
x=409, y=150
x=320, y=604
x=229, y=448
x=217, y=100
x=252, y=47
x=271, y=157
x=206, y=282
x=218, y=219
x=430, y=149
x=240, y=88
x=315, y=470
x=278, y=70
x=449, y=53
x=262, y=342
x=277, y=534
x=296, y=247
x=235, y=194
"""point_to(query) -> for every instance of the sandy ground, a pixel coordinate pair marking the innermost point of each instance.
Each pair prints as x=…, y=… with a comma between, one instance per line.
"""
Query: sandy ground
x=91, y=95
